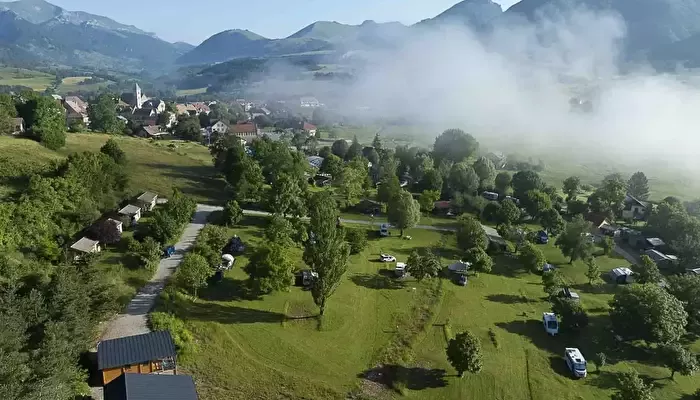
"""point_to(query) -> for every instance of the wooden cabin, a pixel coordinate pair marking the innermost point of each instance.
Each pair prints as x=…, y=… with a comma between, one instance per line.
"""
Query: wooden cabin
x=150, y=353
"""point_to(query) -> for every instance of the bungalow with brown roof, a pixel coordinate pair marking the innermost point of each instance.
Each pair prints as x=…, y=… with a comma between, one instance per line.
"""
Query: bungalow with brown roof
x=201, y=108
x=309, y=129
x=246, y=131
x=144, y=116
x=150, y=131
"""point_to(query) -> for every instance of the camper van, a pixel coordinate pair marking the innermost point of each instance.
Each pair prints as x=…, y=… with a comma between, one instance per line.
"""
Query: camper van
x=575, y=362
x=400, y=270
x=622, y=275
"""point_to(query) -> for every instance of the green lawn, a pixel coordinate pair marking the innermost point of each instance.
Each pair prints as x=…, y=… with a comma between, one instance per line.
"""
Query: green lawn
x=153, y=165
x=74, y=84
x=273, y=348
x=36, y=80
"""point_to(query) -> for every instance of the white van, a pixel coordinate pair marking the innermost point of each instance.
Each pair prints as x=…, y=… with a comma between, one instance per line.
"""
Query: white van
x=400, y=270
x=550, y=323
x=575, y=362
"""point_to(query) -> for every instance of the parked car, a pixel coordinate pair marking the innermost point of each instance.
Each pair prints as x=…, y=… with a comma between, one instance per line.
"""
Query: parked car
x=550, y=323
x=234, y=246
x=462, y=280
x=387, y=258
x=575, y=362
x=305, y=278
x=542, y=237
x=490, y=196
x=227, y=262
x=548, y=268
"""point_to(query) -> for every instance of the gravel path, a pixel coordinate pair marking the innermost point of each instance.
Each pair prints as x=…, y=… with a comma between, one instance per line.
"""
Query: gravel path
x=134, y=319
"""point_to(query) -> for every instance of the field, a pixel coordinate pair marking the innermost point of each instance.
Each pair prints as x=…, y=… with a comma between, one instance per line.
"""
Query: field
x=73, y=84
x=394, y=333
x=153, y=165
x=38, y=81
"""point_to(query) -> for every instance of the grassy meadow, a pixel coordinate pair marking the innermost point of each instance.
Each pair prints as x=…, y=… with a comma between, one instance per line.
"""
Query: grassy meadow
x=157, y=166
x=36, y=80
x=382, y=338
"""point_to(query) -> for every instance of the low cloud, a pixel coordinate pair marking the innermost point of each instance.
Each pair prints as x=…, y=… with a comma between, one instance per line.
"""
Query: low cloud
x=516, y=84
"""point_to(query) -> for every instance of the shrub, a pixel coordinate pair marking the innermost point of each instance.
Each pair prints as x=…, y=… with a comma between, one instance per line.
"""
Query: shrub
x=184, y=341
x=357, y=239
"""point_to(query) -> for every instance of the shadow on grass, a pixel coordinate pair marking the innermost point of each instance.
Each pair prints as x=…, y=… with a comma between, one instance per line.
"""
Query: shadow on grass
x=559, y=366
x=229, y=314
x=603, y=379
x=397, y=377
x=509, y=299
x=383, y=280
x=227, y=290
x=593, y=289
x=507, y=265
x=533, y=330
x=201, y=180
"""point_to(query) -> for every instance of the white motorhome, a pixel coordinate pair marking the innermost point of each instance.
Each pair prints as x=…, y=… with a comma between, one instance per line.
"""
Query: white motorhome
x=400, y=269
x=575, y=362
x=550, y=323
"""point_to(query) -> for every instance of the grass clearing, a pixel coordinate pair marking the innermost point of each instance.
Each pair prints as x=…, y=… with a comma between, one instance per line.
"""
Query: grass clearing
x=395, y=332
x=36, y=80
x=73, y=84
x=153, y=165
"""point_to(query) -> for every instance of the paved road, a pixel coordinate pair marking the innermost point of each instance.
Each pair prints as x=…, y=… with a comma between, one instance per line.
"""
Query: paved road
x=134, y=319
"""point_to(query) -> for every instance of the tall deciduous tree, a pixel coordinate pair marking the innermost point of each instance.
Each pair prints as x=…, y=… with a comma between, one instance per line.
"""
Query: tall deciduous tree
x=454, y=145
x=112, y=149
x=479, y=259
x=632, y=387
x=638, y=186
x=463, y=179
x=535, y=202
x=352, y=181
x=189, y=129
x=470, y=233
x=403, y=211
x=551, y=221
x=49, y=122
x=232, y=213
x=678, y=359
x=502, y=182
x=427, y=200
x=647, y=271
x=532, y=257
x=464, y=353
x=573, y=316
x=423, y=264
x=355, y=150
x=486, y=171
x=193, y=272
x=593, y=271
x=432, y=180
x=279, y=231
x=524, y=181
x=332, y=165
x=686, y=288
x=340, y=148
x=389, y=187
x=648, y=312
x=377, y=143
x=509, y=213
x=571, y=187
x=287, y=196
x=103, y=114
x=326, y=251
x=270, y=269
x=610, y=197
x=573, y=242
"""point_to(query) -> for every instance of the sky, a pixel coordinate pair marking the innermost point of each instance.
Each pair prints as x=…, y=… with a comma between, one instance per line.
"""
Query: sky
x=183, y=20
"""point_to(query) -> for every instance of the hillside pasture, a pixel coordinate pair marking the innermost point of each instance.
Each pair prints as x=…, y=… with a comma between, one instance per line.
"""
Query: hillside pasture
x=36, y=80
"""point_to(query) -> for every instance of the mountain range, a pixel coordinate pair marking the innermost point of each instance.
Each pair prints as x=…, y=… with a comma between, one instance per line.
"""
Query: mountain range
x=34, y=31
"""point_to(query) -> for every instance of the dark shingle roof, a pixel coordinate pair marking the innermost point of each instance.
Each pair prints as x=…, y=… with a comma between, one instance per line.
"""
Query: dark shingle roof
x=151, y=387
x=132, y=350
